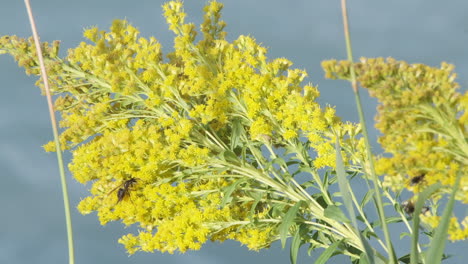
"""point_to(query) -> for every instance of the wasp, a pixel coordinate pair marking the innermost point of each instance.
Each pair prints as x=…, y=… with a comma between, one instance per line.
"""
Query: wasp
x=124, y=189
x=417, y=179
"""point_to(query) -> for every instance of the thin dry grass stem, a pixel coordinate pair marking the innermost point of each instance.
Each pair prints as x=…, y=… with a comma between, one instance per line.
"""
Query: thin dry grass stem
x=55, y=131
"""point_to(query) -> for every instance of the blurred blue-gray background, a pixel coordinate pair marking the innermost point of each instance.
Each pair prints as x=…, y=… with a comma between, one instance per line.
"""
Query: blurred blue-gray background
x=32, y=228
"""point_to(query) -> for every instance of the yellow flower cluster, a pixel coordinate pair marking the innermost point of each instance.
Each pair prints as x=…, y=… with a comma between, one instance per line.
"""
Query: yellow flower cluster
x=24, y=52
x=423, y=120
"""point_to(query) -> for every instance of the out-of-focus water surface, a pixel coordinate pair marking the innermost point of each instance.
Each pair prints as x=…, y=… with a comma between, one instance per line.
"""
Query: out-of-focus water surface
x=306, y=32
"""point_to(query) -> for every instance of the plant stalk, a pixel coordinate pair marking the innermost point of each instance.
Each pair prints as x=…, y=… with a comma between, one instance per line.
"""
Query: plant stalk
x=56, y=134
x=377, y=193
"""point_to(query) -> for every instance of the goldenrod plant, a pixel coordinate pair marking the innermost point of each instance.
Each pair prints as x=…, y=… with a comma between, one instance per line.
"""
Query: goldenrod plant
x=423, y=121
x=215, y=141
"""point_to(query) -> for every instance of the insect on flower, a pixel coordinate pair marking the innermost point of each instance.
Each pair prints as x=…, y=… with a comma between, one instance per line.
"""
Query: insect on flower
x=409, y=207
x=124, y=189
x=417, y=179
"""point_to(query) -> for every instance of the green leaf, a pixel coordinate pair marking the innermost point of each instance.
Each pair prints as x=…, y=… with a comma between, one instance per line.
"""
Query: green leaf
x=326, y=182
x=277, y=210
x=293, y=162
x=305, y=169
x=363, y=259
x=388, y=220
x=335, y=213
x=295, y=245
x=405, y=259
x=423, y=196
x=320, y=199
x=369, y=195
x=287, y=221
x=237, y=129
x=343, y=184
x=347, y=199
x=367, y=233
x=327, y=254
x=230, y=156
x=257, y=198
x=313, y=244
x=229, y=190
x=404, y=234
x=244, y=155
x=280, y=161
x=308, y=184
x=281, y=164
x=436, y=249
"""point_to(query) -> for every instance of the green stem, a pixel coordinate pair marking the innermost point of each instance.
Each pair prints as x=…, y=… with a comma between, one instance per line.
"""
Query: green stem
x=378, y=195
x=286, y=191
x=364, y=219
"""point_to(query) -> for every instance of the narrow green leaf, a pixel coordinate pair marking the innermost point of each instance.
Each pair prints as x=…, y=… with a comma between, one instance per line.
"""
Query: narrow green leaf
x=423, y=196
x=257, y=198
x=363, y=259
x=393, y=219
x=326, y=255
x=277, y=210
x=367, y=233
x=335, y=213
x=369, y=252
x=405, y=259
x=280, y=161
x=345, y=192
x=293, y=162
x=295, y=245
x=287, y=221
x=388, y=220
x=326, y=183
x=229, y=190
x=244, y=155
x=313, y=244
x=343, y=184
x=308, y=184
x=404, y=234
x=305, y=169
x=369, y=195
x=230, y=156
x=437, y=247
x=236, y=132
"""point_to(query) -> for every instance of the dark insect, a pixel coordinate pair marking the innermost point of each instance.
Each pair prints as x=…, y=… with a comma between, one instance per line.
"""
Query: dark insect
x=409, y=207
x=124, y=189
x=417, y=179
x=260, y=207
